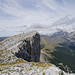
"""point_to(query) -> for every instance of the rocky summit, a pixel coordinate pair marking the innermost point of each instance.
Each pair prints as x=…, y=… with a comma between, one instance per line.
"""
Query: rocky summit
x=25, y=46
x=20, y=55
x=71, y=38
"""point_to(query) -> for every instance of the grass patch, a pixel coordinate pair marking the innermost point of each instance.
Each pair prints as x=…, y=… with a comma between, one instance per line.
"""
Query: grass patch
x=1, y=51
x=1, y=69
x=39, y=64
x=43, y=73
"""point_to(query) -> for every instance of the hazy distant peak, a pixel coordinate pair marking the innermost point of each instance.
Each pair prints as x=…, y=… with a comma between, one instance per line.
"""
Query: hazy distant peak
x=59, y=33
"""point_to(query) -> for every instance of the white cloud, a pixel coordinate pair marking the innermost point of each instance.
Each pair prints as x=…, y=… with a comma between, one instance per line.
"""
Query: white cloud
x=65, y=2
x=41, y=15
x=64, y=21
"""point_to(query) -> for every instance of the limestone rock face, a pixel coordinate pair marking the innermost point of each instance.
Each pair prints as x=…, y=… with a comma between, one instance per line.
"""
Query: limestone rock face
x=43, y=57
x=25, y=46
x=29, y=49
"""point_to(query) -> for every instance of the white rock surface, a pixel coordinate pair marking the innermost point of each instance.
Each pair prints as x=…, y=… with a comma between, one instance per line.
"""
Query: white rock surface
x=25, y=46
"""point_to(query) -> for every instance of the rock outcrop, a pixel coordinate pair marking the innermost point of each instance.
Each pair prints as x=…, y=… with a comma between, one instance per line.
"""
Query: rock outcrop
x=25, y=46
x=71, y=38
x=44, y=58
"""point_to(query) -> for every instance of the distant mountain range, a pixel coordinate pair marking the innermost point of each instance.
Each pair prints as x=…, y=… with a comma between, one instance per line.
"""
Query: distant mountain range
x=2, y=38
x=59, y=48
x=56, y=34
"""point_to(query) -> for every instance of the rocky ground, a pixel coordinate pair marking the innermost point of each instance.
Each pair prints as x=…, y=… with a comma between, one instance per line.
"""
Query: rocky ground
x=25, y=46
x=17, y=50
x=29, y=68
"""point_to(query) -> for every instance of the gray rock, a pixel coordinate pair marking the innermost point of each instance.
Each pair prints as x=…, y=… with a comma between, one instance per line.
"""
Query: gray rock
x=71, y=38
x=15, y=73
x=25, y=46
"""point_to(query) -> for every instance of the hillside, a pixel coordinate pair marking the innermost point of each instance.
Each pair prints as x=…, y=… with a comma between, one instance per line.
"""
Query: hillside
x=59, y=33
x=2, y=38
x=59, y=49
x=20, y=55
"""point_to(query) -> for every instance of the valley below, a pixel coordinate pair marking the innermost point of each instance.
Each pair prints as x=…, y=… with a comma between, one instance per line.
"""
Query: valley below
x=59, y=48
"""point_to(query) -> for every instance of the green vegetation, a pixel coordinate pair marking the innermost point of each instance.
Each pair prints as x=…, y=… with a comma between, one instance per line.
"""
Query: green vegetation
x=42, y=46
x=65, y=56
x=62, y=73
x=38, y=64
x=1, y=69
x=43, y=73
x=59, y=50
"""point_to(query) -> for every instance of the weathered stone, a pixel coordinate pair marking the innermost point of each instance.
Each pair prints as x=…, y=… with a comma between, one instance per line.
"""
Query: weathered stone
x=71, y=38
x=29, y=49
x=25, y=46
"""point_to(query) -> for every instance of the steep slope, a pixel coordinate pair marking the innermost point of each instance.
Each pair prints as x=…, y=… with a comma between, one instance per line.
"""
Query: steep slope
x=71, y=38
x=59, y=49
x=2, y=38
x=59, y=33
x=25, y=46
x=17, y=50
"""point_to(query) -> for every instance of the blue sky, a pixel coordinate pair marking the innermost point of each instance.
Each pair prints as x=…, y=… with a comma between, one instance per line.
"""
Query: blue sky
x=45, y=16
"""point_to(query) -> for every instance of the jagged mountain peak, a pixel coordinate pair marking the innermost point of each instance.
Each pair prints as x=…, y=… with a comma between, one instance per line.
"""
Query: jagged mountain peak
x=25, y=46
x=56, y=34
x=71, y=37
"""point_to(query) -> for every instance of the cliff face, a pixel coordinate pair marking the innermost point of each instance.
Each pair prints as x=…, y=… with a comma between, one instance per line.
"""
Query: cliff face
x=25, y=46
x=29, y=49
